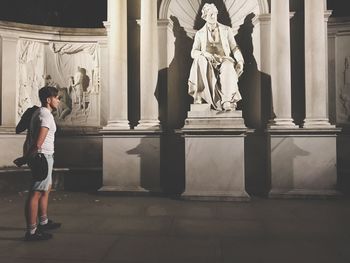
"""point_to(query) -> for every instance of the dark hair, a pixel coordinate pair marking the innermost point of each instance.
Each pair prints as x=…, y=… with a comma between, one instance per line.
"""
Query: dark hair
x=47, y=92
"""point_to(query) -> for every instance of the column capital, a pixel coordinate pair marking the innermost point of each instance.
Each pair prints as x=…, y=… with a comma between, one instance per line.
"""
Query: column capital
x=263, y=19
x=163, y=22
x=327, y=14
x=107, y=25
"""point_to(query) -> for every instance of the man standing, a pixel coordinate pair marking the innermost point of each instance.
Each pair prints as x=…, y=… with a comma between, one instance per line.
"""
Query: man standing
x=41, y=141
x=214, y=73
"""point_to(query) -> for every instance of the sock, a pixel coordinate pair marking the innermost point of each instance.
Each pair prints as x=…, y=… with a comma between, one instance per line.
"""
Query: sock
x=31, y=229
x=43, y=220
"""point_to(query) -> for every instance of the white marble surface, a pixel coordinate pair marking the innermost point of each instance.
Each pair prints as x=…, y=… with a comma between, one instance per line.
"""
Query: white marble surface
x=304, y=163
x=11, y=148
x=8, y=49
x=202, y=117
x=280, y=55
x=131, y=163
x=214, y=167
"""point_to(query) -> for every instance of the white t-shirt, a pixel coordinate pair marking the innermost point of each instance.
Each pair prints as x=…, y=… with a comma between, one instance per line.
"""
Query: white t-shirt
x=42, y=117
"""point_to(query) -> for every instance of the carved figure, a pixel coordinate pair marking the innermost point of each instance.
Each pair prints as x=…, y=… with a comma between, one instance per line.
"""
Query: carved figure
x=65, y=106
x=80, y=86
x=214, y=72
x=345, y=91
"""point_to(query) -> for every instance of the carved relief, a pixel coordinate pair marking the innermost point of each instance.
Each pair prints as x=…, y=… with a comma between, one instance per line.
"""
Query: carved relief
x=344, y=93
x=31, y=70
x=73, y=68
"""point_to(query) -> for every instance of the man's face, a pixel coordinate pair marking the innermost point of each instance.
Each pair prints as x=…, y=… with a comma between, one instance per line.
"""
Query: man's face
x=53, y=102
x=212, y=16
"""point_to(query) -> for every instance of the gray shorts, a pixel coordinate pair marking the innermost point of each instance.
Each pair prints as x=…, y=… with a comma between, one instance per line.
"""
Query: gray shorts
x=45, y=184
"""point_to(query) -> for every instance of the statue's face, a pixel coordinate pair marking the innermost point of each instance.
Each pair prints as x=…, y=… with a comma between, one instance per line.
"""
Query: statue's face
x=212, y=16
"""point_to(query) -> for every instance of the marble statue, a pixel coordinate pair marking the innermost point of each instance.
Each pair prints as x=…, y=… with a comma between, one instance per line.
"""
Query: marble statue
x=214, y=73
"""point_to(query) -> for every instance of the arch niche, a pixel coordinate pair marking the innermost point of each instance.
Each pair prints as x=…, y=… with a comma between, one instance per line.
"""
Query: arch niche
x=178, y=22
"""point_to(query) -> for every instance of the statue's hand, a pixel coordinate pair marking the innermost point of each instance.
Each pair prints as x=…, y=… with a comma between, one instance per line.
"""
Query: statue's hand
x=209, y=56
x=239, y=68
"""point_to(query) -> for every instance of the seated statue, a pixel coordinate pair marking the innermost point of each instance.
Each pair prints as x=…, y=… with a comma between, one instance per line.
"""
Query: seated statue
x=214, y=73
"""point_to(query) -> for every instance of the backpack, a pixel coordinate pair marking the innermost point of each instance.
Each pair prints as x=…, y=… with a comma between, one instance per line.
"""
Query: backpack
x=24, y=123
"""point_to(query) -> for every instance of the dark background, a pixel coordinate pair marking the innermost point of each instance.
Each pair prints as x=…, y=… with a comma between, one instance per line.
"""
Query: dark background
x=84, y=13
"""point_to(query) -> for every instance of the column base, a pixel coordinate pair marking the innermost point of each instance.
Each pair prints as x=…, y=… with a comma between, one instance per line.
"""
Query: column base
x=317, y=123
x=148, y=125
x=117, y=125
x=282, y=124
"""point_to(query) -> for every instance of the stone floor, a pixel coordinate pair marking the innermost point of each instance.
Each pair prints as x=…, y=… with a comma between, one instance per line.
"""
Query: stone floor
x=105, y=229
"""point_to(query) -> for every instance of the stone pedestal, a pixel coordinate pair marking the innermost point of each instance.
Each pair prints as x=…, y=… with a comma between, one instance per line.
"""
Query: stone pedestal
x=201, y=116
x=214, y=155
x=131, y=162
x=303, y=163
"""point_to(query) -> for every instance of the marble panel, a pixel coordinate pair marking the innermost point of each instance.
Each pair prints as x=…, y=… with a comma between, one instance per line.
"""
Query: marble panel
x=303, y=165
x=214, y=167
x=131, y=163
x=11, y=148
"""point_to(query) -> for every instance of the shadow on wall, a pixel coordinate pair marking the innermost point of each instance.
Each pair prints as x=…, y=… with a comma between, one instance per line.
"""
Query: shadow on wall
x=284, y=151
x=256, y=105
x=254, y=85
x=174, y=101
x=148, y=152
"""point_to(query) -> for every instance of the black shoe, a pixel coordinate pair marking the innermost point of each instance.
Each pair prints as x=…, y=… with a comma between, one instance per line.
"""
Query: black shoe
x=37, y=236
x=49, y=226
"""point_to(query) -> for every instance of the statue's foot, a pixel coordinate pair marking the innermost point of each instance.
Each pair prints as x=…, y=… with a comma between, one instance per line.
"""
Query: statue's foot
x=198, y=101
x=226, y=106
x=234, y=106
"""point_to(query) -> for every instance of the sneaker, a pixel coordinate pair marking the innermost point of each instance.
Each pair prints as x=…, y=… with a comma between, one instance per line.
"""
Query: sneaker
x=37, y=236
x=49, y=226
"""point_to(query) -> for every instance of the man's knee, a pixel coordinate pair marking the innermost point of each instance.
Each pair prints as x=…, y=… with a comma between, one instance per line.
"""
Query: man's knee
x=35, y=195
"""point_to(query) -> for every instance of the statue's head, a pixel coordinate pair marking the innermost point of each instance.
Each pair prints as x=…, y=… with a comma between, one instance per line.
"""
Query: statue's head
x=210, y=13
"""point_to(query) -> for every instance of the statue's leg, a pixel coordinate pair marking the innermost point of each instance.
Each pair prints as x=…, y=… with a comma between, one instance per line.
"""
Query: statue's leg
x=229, y=86
x=206, y=80
x=228, y=80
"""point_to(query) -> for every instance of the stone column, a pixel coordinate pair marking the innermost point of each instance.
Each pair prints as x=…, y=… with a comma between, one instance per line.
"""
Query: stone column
x=149, y=65
x=8, y=85
x=281, y=65
x=118, y=75
x=315, y=66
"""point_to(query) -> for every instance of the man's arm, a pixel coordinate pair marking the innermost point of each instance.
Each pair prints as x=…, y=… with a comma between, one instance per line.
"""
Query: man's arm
x=39, y=142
